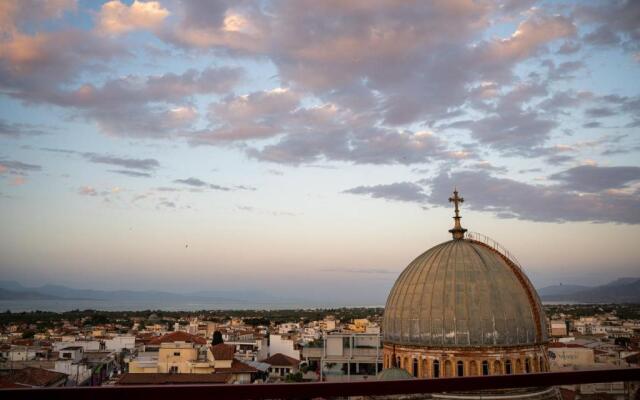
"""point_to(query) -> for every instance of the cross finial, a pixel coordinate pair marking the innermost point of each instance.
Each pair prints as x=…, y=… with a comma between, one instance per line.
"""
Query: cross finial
x=456, y=200
x=457, y=231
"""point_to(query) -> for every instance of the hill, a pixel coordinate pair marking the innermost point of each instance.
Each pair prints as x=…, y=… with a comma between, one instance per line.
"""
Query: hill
x=622, y=290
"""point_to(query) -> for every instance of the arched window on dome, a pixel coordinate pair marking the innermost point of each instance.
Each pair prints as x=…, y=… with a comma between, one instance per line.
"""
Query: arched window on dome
x=415, y=367
x=485, y=367
x=508, y=368
x=473, y=368
x=460, y=368
x=527, y=365
x=436, y=369
x=497, y=367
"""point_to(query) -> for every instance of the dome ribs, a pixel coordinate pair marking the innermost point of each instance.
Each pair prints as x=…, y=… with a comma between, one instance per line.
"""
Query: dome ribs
x=534, y=302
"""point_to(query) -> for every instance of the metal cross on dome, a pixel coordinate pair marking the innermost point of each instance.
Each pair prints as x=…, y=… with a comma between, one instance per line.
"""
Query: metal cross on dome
x=457, y=231
x=456, y=200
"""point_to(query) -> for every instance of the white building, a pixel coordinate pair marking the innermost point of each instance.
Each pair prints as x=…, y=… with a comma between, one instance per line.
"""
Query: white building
x=283, y=345
x=119, y=343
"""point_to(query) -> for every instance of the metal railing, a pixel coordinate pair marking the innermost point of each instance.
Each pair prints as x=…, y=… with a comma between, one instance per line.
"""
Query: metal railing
x=327, y=389
x=482, y=238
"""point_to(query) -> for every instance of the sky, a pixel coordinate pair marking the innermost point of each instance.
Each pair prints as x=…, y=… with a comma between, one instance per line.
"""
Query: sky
x=309, y=148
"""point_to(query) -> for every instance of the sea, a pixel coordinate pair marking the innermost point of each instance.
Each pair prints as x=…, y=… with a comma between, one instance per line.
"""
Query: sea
x=136, y=305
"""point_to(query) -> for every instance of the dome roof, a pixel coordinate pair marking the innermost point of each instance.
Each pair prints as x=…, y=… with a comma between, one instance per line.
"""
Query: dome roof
x=463, y=293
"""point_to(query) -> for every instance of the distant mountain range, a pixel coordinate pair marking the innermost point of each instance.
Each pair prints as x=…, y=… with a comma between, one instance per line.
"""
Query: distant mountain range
x=622, y=290
x=11, y=290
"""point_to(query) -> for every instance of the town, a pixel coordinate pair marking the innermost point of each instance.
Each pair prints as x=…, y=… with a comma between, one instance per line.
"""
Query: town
x=96, y=348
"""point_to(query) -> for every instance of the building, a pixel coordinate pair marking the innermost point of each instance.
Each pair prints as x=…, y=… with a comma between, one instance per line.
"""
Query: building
x=33, y=377
x=281, y=365
x=183, y=353
x=570, y=354
x=558, y=328
x=345, y=356
x=465, y=307
x=283, y=344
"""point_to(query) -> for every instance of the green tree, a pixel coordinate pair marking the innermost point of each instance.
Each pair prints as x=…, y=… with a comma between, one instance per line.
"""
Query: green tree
x=297, y=377
x=217, y=338
x=28, y=334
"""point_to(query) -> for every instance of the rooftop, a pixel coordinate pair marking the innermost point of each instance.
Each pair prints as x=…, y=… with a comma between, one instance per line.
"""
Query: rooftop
x=178, y=336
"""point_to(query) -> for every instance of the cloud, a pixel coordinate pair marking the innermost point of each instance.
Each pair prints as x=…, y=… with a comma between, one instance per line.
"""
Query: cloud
x=18, y=167
x=33, y=67
x=516, y=130
x=198, y=183
x=87, y=191
x=116, y=18
x=374, y=146
x=15, y=13
x=534, y=32
x=599, y=112
x=513, y=199
x=18, y=130
x=254, y=116
x=603, y=36
x=153, y=106
x=591, y=178
x=401, y=191
x=266, y=212
x=348, y=55
x=192, y=182
x=145, y=164
x=167, y=204
x=564, y=70
x=617, y=22
x=134, y=174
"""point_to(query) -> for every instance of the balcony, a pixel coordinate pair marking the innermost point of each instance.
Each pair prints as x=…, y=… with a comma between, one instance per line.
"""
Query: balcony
x=335, y=389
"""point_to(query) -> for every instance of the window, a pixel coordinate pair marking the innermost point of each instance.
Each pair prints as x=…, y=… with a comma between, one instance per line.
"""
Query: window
x=66, y=355
x=173, y=369
x=460, y=368
x=507, y=367
x=415, y=367
x=176, y=354
x=527, y=365
x=436, y=369
x=485, y=367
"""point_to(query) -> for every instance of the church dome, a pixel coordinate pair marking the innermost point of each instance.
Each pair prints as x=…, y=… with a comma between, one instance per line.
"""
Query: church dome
x=463, y=293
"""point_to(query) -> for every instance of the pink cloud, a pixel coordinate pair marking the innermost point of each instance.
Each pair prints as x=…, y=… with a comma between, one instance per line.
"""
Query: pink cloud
x=117, y=18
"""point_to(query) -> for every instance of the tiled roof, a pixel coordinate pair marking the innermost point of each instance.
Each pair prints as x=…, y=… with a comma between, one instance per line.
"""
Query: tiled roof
x=178, y=336
x=32, y=376
x=280, y=359
x=237, y=367
x=169, y=379
x=223, y=351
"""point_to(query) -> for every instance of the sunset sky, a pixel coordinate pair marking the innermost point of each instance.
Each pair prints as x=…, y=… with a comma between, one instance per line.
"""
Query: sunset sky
x=308, y=148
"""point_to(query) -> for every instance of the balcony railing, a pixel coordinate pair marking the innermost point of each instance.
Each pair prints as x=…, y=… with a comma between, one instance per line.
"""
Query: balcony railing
x=327, y=389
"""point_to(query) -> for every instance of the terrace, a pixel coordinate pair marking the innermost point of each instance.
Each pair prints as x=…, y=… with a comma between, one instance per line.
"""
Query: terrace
x=631, y=377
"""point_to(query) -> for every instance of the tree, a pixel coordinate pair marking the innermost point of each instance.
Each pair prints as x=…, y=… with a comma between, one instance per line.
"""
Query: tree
x=217, y=338
x=297, y=377
x=28, y=334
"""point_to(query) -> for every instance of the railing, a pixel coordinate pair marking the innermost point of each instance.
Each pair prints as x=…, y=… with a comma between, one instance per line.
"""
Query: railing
x=482, y=238
x=327, y=389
